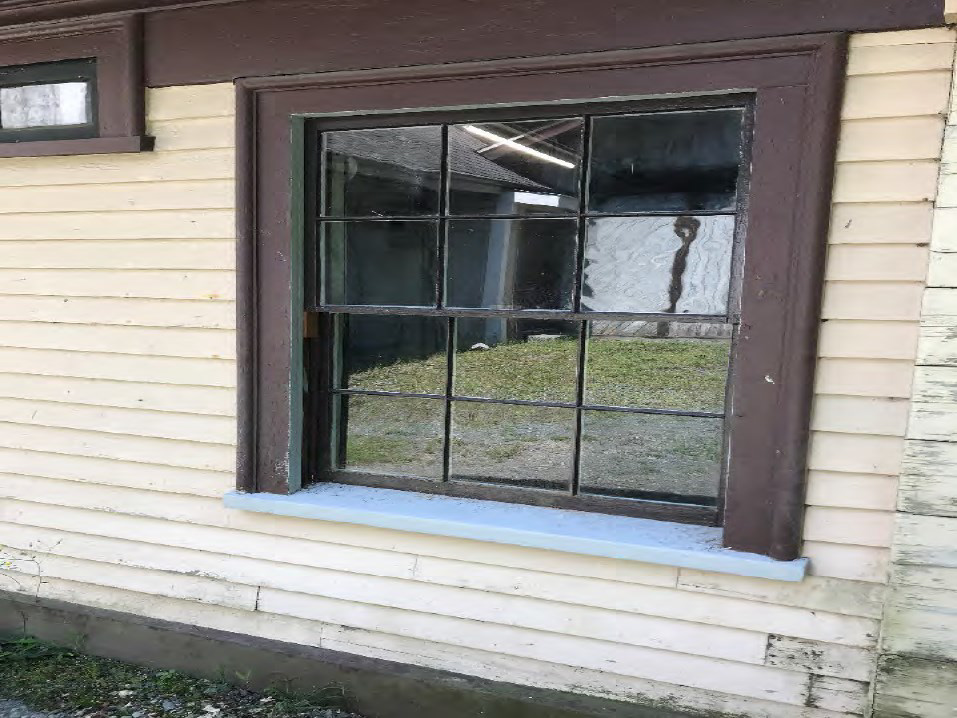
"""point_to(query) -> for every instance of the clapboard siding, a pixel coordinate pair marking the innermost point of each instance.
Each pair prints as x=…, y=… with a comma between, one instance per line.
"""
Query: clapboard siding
x=117, y=425
x=919, y=633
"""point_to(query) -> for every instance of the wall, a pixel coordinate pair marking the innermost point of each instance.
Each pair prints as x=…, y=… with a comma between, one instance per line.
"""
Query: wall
x=918, y=674
x=117, y=440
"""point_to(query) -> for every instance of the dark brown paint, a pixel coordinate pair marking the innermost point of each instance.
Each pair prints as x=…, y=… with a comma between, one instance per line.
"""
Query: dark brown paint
x=266, y=37
x=116, y=44
x=797, y=84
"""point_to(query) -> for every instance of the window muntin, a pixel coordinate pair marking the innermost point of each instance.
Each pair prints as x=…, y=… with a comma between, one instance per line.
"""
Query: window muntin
x=588, y=316
x=48, y=101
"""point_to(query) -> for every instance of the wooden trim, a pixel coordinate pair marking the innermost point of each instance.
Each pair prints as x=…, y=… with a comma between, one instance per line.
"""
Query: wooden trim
x=373, y=686
x=89, y=146
x=796, y=83
x=116, y=45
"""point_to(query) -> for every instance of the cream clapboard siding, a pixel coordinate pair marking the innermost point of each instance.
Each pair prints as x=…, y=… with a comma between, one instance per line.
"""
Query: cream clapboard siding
x=918, y=675
x=117, y=411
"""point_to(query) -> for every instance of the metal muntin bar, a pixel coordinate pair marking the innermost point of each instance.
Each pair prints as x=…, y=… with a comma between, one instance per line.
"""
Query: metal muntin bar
x=549, y=217
x=529, y=402
x=579, y=400
x=449, y=380
x=523, y=314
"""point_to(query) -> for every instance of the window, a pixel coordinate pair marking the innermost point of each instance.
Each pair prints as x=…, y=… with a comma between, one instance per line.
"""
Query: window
x=74, y=88
x=533, y=307
x=430, y=251
x=48, y=101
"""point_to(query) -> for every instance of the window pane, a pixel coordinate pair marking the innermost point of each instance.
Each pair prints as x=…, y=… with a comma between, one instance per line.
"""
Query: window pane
x=395, y=353
x=383, y=172
x=669, y=458
x=393, y=435
x=527, y=446
x=678, y=265
x=626, y=368
x=515, y=167
x=665, y=162
x=527, y=359
x=54, y=105
x=370, y=262
x=511, y=263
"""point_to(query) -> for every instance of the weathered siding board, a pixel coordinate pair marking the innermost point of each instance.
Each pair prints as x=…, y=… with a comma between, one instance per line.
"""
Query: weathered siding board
x=918, y=675
x=117, y=424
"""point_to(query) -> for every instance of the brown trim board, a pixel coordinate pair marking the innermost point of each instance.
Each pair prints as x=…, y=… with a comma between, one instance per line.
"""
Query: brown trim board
x=374, y=687
x=116, y=44
x=796, y=83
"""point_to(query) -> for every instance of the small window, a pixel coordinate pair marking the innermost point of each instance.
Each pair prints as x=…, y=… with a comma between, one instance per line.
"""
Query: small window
x=48, y=101
x=538, y=308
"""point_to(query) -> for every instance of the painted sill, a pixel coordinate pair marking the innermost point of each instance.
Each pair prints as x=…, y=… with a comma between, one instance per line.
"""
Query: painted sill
x=643, y=540
x=87, y=146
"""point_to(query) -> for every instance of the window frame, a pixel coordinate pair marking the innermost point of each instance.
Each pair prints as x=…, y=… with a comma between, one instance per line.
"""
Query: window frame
x=48, y=73
x=114, y=46
x=317, y=421
x=797, y=84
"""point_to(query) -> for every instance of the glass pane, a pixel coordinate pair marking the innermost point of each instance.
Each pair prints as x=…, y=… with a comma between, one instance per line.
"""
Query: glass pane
x=515, y=167
x=393, y=435
x=395, y=353
x=665, y=162
x=527, y=446
x=678, y=265
x=55, y=105
x=383, y=172
x=527, y=359
x=627, y=368
x=369, y=262
x=668, y=458
x=511, y=263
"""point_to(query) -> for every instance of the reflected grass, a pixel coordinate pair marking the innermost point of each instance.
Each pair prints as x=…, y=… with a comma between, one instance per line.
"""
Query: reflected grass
x=686, y=374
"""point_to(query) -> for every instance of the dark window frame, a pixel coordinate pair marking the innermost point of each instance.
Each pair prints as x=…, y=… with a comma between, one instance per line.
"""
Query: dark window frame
x=46, y=73
x=317, y=420
x=797, y=84
x=114, y=46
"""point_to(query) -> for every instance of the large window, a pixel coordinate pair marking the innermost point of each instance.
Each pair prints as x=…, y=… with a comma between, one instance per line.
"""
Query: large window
x=533, y=306
x=586, y=281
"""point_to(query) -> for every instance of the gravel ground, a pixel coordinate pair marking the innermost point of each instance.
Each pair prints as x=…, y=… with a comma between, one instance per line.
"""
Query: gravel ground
x=16, y=709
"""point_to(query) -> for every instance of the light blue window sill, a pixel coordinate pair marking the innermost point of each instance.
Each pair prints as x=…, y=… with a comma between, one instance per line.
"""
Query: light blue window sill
x=621, y=537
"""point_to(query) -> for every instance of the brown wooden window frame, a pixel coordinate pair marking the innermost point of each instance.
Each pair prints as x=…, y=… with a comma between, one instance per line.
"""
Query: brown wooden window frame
x=114, y=48
x=795, y=85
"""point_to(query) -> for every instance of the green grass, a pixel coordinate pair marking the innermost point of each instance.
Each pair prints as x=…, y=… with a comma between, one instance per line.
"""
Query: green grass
x=656, y=373
x=53, y=678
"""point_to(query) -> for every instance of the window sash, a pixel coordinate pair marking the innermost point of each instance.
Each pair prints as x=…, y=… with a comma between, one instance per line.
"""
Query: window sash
x=321, y=424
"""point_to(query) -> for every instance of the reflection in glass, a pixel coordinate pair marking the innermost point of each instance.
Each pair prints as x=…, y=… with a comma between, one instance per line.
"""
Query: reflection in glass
x=511, y=263
x=377, y=262
x=383, y=172
x=665, y=162
x=527, y=359
x=668, y=458
x=679, y=265
x=395, y=353
x=55, y=105
x=392, y=435
x=527, y=446
x=627, y=368
x=515, y=167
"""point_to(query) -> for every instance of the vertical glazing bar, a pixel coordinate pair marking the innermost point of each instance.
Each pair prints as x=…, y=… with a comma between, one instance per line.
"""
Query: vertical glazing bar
x=579, y=400
x=443, y=219
x=582, y=209
x=449, y=382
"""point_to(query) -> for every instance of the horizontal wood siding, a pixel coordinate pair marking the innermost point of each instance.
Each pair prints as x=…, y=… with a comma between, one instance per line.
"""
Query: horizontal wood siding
x=918, y=657
x=117, y=426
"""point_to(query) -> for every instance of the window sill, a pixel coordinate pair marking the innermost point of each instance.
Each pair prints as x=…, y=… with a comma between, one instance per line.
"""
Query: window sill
x=643, y=540
x=89, y=146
